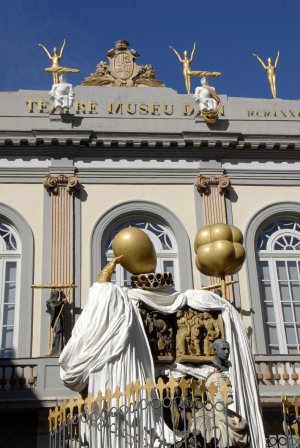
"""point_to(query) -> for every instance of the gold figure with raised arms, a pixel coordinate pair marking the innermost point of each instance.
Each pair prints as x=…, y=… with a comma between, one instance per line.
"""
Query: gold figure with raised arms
x=186, y=65
x=55, y=68
x=270, y=69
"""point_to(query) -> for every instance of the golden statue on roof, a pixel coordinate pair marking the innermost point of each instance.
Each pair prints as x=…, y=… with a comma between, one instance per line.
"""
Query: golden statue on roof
x=122, y=70
x=186, y=65
x=55, y=68
x=270, y=69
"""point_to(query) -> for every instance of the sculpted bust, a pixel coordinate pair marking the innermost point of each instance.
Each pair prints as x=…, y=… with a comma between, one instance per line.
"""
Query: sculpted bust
x=221, y=351
x=62, y=94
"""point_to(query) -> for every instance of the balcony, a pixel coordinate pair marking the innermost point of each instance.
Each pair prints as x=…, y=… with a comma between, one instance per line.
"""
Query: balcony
x=31, y=383
x=277, y=375
x=36, y=381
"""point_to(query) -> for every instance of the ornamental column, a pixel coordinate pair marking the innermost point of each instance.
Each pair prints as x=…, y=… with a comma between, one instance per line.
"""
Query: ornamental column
x=61, y=189
x=214, y=190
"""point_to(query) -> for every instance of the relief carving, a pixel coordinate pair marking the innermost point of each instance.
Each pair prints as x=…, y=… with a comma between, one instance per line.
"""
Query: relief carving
x=122, y=70
x=159, y=330
x=186, y=336
x=196, y=332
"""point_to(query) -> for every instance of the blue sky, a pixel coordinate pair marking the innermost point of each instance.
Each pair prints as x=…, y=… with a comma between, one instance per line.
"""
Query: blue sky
x=226, y=34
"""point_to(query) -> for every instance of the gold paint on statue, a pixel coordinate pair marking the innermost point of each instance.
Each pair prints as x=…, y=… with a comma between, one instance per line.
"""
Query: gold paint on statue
x=219, y=251
x=54, y=286
x=106, y=274
x=55, y=68
x=137, y=249
x=186, y=65
x=270, y=69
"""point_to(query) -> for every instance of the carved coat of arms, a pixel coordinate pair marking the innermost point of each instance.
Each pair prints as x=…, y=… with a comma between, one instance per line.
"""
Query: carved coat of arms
x=122, y=70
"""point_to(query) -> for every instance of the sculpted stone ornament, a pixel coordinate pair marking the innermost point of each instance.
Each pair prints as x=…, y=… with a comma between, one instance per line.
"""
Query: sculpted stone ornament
x=53, y=183
x=209, y=102
x=218, y=421
x=205, y=184
x=62, y=95
x=122, y=70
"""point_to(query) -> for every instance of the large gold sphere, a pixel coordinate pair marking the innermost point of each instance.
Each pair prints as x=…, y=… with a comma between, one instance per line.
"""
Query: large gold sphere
x=219, y=249
x=137, y=249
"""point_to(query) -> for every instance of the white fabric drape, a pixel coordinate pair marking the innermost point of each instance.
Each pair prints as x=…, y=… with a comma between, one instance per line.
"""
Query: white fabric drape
x=109, y=347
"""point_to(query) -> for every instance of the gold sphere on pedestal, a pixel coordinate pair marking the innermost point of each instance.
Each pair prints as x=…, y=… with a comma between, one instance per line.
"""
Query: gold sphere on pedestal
x=137, y=249
x=219, y=250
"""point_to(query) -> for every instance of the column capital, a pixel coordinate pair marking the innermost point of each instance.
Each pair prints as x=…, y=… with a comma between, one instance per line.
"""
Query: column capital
x=204, y=184
x=53, y=183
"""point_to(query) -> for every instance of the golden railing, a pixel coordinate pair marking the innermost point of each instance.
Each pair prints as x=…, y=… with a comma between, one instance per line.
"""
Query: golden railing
x=175, y=400
x=192, y=389
x=291, y=420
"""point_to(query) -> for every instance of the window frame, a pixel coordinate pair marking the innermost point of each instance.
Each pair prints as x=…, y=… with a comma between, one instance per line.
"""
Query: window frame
x=275, y=211
x=24, y=307
x=162, y=255
x=147, y=209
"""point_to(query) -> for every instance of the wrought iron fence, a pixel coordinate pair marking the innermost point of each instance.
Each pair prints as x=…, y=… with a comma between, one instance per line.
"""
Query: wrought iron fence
x=182, y=413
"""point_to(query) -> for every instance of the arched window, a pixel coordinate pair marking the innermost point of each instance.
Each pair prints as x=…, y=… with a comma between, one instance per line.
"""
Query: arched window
x=272, y=243
x=164, y=229
x=16, y=276
x=162, y=239
x=278, y=247
x=10, y=254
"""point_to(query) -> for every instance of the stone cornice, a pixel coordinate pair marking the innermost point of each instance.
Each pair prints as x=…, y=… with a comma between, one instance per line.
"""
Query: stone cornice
x=206, y=141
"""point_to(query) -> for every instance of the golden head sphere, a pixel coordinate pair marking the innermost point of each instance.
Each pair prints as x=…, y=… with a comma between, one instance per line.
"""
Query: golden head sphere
x=139, y=256
x=219, y=249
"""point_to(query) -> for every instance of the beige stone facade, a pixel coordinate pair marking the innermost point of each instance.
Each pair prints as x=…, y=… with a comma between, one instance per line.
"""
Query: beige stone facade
x=138, y=153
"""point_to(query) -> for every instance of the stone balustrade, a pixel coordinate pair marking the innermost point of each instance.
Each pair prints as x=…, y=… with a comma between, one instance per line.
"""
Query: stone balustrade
x=37, y=379
x=34, y=380
x=277, y=369
x=19, y=375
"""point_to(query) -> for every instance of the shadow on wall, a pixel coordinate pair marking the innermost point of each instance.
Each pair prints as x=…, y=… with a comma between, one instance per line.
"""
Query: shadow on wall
x=22, y=423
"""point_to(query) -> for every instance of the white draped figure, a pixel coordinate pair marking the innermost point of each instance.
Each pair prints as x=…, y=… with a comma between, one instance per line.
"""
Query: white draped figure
x=109, y=348
x=206, y=96
x=62, y=94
